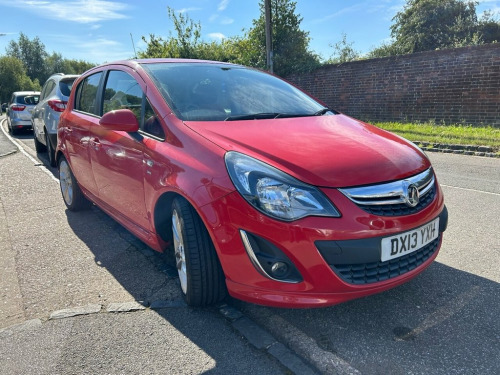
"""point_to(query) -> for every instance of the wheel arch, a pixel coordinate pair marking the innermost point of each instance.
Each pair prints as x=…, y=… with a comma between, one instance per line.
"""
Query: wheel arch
x=163, y=220
x=161, y=215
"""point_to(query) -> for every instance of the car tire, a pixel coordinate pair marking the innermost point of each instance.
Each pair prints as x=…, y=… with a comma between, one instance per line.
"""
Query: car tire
x=201, y=277
x=71, y=192
x=11, y=128
x=39, y=146
x=51, y=153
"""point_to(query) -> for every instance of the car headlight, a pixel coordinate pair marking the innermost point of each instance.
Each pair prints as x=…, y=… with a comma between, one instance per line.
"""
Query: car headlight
x=274, y=192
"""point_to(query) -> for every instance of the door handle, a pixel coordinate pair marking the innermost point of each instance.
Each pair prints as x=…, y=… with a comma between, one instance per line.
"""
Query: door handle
x=95, y=143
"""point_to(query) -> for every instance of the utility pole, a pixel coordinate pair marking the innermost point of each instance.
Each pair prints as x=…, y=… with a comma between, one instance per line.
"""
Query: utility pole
x=269, y=33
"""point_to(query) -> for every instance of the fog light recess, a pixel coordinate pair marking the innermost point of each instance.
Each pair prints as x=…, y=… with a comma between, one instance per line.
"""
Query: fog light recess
x=269, y=260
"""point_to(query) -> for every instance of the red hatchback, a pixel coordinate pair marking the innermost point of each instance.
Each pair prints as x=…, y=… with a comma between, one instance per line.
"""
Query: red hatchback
x=258, y=189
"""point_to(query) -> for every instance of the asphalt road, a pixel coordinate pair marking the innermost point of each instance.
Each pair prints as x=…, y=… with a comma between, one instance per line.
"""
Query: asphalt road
x=129, y=316
x=445, y=321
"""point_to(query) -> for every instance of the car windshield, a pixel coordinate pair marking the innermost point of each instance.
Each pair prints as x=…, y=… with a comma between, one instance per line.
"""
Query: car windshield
x=217, y=92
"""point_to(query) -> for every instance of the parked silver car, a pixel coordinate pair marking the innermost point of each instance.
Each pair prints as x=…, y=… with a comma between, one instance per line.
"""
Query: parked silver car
x=45, y=116
x=19, y=109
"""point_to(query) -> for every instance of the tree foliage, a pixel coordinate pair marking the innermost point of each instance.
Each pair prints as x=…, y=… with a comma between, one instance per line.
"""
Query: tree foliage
x=32, y=54
x=425, y=25
x=13, y=77
x=37, y=64
x=291, y=52
x=290, y=44
x=343, y=52
x=185, y=42
x=56, y=63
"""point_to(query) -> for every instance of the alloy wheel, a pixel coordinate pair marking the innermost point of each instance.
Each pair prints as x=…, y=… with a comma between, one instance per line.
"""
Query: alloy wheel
x=66, y=182
x=180, y=255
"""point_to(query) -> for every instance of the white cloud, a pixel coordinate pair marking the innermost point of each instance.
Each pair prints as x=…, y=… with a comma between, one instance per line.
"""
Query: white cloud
x=185, y=10
x=339, y=13
x=223, y=5
x=95, y=49
x=81, y=11
x=227, y=21
x=218, y=36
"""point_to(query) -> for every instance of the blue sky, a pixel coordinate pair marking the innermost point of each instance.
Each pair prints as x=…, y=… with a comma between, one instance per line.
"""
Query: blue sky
x=100, y=30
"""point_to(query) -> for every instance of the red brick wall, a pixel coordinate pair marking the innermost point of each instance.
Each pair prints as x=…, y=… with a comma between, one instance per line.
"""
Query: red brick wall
x=459, y=85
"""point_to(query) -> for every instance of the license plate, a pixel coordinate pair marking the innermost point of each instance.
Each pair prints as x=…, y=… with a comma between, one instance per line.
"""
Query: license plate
x=405, y=243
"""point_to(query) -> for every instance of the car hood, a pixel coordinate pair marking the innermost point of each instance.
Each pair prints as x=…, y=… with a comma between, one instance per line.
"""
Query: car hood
x=327, y=151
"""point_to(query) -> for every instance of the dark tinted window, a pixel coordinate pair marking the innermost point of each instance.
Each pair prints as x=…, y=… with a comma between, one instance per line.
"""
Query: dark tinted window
x=66, y=85
x=87, y=94
x=122, y=92
x=151, y=123
x=208, y=92
x=27, y=99
x=47, y=89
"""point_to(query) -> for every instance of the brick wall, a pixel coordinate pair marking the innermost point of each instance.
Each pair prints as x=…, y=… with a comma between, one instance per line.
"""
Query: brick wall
x=459, y=85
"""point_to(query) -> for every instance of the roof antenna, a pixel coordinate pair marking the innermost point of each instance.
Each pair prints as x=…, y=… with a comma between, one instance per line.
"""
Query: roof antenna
x=133, y=46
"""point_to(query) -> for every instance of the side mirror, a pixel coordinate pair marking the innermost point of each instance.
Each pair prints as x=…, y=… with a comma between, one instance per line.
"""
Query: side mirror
x=122, y=120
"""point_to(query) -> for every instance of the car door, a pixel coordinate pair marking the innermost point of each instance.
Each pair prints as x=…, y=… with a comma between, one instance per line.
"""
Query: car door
x=117, y=156
x=39, y=111
x=76, y=127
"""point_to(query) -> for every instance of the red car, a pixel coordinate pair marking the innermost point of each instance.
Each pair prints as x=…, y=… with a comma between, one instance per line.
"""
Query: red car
x=260, y=190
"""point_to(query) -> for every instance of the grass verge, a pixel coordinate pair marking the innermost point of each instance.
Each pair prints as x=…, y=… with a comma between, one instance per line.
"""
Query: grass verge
x=446, y=134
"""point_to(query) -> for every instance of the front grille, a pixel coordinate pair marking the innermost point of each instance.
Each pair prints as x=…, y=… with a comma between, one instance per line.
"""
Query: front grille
x=392, y=198
x=400, y=209
x=368, y=273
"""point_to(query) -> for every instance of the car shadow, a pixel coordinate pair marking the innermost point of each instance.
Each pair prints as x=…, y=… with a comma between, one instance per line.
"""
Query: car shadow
x=442, y=322
x=151, y=278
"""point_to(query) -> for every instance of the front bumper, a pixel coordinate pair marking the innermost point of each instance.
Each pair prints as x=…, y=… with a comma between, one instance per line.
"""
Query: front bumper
x=357, y=233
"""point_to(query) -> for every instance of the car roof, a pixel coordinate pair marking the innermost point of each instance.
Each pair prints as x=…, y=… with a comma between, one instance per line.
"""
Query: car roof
x=26, y=92
x=62, y=75
x=133, y=63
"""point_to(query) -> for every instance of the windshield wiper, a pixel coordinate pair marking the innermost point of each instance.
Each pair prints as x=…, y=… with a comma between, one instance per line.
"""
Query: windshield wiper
x=324, y=111
x=254, y=116
x=273, y=115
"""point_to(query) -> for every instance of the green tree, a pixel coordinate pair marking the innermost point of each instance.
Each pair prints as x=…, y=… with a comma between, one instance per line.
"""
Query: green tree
x=291, y=52
x=32, y=54
x=343, y=52
x=55, y=63
x=13, y=77
x=185, y=42
x=425, y=25
x=489, y=28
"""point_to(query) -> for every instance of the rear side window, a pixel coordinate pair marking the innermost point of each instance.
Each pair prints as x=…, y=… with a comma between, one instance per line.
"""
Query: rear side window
x=66, y=85
x=47, y=89
x=87, y=94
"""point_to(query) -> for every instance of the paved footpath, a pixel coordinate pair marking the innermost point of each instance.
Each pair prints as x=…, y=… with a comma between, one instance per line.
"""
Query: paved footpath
x=81, y=295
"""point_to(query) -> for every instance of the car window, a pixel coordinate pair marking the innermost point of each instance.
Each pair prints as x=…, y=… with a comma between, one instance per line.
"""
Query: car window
x=26, y=99
x=122, y=92
x=151, y=124
x=87, y=94
x=47, y=89
x=31, y=99
x=65, y=86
